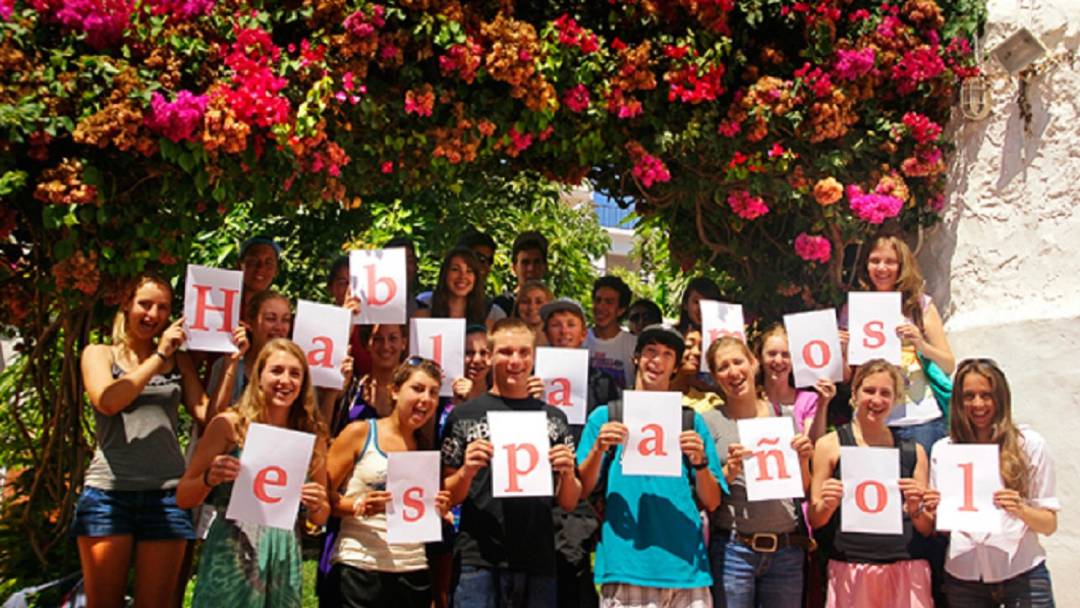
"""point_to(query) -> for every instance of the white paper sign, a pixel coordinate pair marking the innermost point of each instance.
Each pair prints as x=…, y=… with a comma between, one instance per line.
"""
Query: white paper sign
x=565, y=372
x=967, y=475
x=442, y=341
x=273, y=467
x=872, y=318
x=520, y=466
x=814, y=341
x=719, y=319
x=212, y=308
x=322, y=332
x=872, y=501
x=378, y=278
x=412, y=478
x=654, y=422
x=773, y=470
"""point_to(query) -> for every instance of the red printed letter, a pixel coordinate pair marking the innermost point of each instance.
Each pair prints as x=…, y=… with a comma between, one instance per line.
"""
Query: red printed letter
x=202, y=305
x=436, y=349
x=270, y=476
x=969, y=499
x=807, y=353
x=657, y=439
x=413, y=500
x=512, y=466
x=875, y=330
x=321, y=357
x=559, y=393
x=763, y=464
x=373, y=283
x=882, y=496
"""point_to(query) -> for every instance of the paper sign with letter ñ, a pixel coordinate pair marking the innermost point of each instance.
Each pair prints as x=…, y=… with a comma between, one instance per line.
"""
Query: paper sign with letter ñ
x=772, y=470
x=719, y=319
x=871, y=500
x=322, y=332
x=442, y=341
x=967, y=476
x=273, y=467
x=814, y=342
x=565, y=372
x=654, y=422
x=212, y=308
x=412, y=478
x=520, y=465
x=872, y=318
x=378, y=278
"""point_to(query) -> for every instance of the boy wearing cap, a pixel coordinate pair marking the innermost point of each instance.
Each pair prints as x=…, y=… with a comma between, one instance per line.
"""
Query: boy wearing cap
x=529, y=260
x=611, y=349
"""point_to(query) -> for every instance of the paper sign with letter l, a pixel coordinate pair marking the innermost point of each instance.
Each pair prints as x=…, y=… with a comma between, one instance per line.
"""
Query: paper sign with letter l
x=872, y=318
x=772, y=470
x=871, y=500
x=322, y=332
x=967, y=475
x=654, y=422
x=212, y=308
x=273, y=467
x=442, y=341
x=378, y=278
x=412, y=478
x=520, y=466
x=565, y=372
x=719, y=319
x=814, y=341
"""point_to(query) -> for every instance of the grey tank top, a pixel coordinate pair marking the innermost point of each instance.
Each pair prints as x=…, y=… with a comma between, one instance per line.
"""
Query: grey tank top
x=137, y=448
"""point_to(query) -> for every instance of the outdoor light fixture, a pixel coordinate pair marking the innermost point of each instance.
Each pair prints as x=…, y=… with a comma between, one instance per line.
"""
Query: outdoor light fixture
x=1019, y=50
x=975, y=97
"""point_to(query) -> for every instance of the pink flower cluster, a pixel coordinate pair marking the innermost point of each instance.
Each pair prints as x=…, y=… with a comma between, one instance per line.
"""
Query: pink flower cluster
x=463, y=60
x=874, y=207
x=621, y=105
x=255, y=94
x=178, y=120
x=729, y=128
x=650, y=170
x=520, y=141
x=888, y=26
x=815, y=78
x=103, y=21
x=7, y=7
x=363, y=24
x=922, y=129
x=852, y=65
x=916, y=66
x=747, y=206
x=688, y=87
x=182, y=9
x=813, y=248
x=350, y=91
x=572, y=34
x=576, y=98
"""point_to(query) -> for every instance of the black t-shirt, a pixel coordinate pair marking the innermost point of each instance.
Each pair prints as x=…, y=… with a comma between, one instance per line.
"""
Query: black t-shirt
x=511, y=533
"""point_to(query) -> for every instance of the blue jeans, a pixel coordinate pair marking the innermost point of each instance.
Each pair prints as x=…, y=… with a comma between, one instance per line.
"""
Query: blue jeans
x=1028, y=590
x=498, y=588
x=143, y=514
x=744, y=578
x=925, y=434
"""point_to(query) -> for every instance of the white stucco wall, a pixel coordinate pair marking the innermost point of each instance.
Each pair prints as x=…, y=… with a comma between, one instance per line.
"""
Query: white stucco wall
x=1005, y=266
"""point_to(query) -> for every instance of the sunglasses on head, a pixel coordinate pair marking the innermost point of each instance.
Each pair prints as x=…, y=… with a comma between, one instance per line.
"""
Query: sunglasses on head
x=415, y=360
x=977, y=361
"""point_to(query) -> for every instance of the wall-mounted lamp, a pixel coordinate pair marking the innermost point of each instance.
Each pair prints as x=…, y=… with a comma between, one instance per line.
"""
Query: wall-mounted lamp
x=1019, y=50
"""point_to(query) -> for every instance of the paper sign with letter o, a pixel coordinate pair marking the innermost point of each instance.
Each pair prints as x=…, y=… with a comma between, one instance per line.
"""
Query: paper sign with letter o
x=872, y=501
x=378, y=278
x=654, y=422
x=442, y=341
x=412, y=478
x=273, y=468
x=814, y=342
x=719, y=319
x=967, y=476
x=520, y=465
x=565, y=372
x=322, y=331
x=872, y=318
x=772, y=471
x=212, y=301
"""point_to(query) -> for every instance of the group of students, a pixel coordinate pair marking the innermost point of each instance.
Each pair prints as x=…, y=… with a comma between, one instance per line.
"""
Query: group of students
x=604, y=538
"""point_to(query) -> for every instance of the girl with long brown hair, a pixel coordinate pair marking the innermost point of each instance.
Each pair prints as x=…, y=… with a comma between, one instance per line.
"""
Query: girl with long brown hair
x=459, y=294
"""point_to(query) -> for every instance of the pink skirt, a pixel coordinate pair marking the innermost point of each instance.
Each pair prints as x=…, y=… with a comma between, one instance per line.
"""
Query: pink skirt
x=904, y=584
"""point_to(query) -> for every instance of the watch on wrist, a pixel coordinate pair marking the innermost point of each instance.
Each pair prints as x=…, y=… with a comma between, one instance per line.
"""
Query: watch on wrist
x=701, y=465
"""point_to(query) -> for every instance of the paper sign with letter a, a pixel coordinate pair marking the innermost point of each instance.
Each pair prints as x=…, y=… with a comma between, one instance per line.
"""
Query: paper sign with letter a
x=212, y=308
x=565, y=372
x=814, y=341
x=772, y=471
x=322, y=331
x=872, y=318
x=377, y=277
x=273, y=467
x=719, y=319
x=412, y=478
x=520, y=466
x=967, y=475
x=442, y=341
x=654, y=422
x=871, y=500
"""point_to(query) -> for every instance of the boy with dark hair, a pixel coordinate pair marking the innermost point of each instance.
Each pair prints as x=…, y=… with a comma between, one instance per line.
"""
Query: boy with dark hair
x=529, y=260
x=482, y=246
x=258, y=260
x=642, y=314
x=611, y=348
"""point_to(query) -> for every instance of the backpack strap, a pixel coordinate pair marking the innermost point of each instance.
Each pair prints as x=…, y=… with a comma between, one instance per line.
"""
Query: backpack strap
x=908, y=457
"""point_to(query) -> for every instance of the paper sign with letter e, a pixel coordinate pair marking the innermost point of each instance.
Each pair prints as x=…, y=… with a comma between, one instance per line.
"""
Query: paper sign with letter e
x=654, y=422
x=871, y=500
x=814, y=341
x=872, y=319
x=212, y=308
x=412, y=478
x=565, y=372
x=772, y=471
x=273, y=467
x=442, y=341
x=377, y=277
x=322, y=331
x=967, y=475
x=719, y=319
x=520, y=466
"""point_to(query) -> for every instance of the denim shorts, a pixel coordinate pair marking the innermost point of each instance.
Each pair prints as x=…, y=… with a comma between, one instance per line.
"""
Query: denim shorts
x=143, y=514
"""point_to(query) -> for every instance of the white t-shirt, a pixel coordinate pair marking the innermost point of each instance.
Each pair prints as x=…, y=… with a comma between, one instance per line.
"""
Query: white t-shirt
x=614, y=356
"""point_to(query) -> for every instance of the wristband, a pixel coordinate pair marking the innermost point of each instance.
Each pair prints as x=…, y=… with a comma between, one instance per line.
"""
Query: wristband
x=701, y=465
x=163, y=356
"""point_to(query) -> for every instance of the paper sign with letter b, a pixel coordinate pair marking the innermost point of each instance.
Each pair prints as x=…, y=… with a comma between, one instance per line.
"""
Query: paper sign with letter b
x=273, y=467
x=520, y=465
x=719, y=319
x=442, y=341
x=872, y=501
x=212, y=308
x=967, y=475
x=814, y=342
x=565, y=372
x=654, y=422
x=772, y=471
x=412, y=478
x=873, y=318
x=322, y=331
x=378, y=278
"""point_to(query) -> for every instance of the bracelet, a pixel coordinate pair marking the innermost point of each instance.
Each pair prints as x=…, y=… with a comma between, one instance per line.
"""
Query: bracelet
x=206, y=478
x=701, y=465
x=163, y=356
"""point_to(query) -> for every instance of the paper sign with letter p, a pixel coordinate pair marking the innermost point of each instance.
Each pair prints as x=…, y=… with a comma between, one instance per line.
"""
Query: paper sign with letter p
x=814, y=341
x=872, y=318
x=212, y=308
x=442, y=341
x=654, y=422
x=273, y=467
x=520, y=466
x=719, y=319
x=772, y=471
x=412, y=478
x=565, y=372
x=871, y=500
x=967, y=475
x=322, y=332
x=378, y=278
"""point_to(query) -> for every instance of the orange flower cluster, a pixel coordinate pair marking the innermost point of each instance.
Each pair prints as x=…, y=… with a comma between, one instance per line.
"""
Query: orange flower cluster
x=894, y=185
x=920, y=166
x=634, y=73
x=460, y=143
x=221, y=129
x=827, y=191
x=117, y=124
x=768, y=95
x=163, y=59
x=924, y=13
x=79, y=272
x=831, y=119
x=63, y=185
x=512, y=59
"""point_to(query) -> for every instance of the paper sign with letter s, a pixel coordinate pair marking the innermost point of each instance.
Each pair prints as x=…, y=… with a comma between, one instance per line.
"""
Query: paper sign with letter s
x=412, y=478
x=872, y=501
x=565, y=372
x=654, y=422
x=772, y=471
x=814, y=342
x=520, y=465
x=378, y=278
x=212, y=308
x=322, y=332
x=442, y=341
x=967, y=476
x=273, y=468
x=872, y=319
x=719, y=319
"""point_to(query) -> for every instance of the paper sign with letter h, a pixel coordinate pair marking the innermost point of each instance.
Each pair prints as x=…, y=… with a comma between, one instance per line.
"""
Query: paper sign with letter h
x=565, y=372
x=322, y=332
x=412, y=478
x=719, y=319
x=520, y=465
x=212, y=308
x=967, y=475
x=442, y=341
x=872, y=501
x=772, y=470
x=814, y=342
x=873, y=318
x=273, y=467
x=653, y=420
x=378, y=278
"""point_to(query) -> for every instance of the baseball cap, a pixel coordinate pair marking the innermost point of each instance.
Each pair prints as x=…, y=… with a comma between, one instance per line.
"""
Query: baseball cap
x=561, y=305
x=259, y=240
x=663, y=334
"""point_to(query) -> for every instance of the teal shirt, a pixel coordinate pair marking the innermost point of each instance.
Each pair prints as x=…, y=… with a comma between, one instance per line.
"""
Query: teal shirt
x=652, y=532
